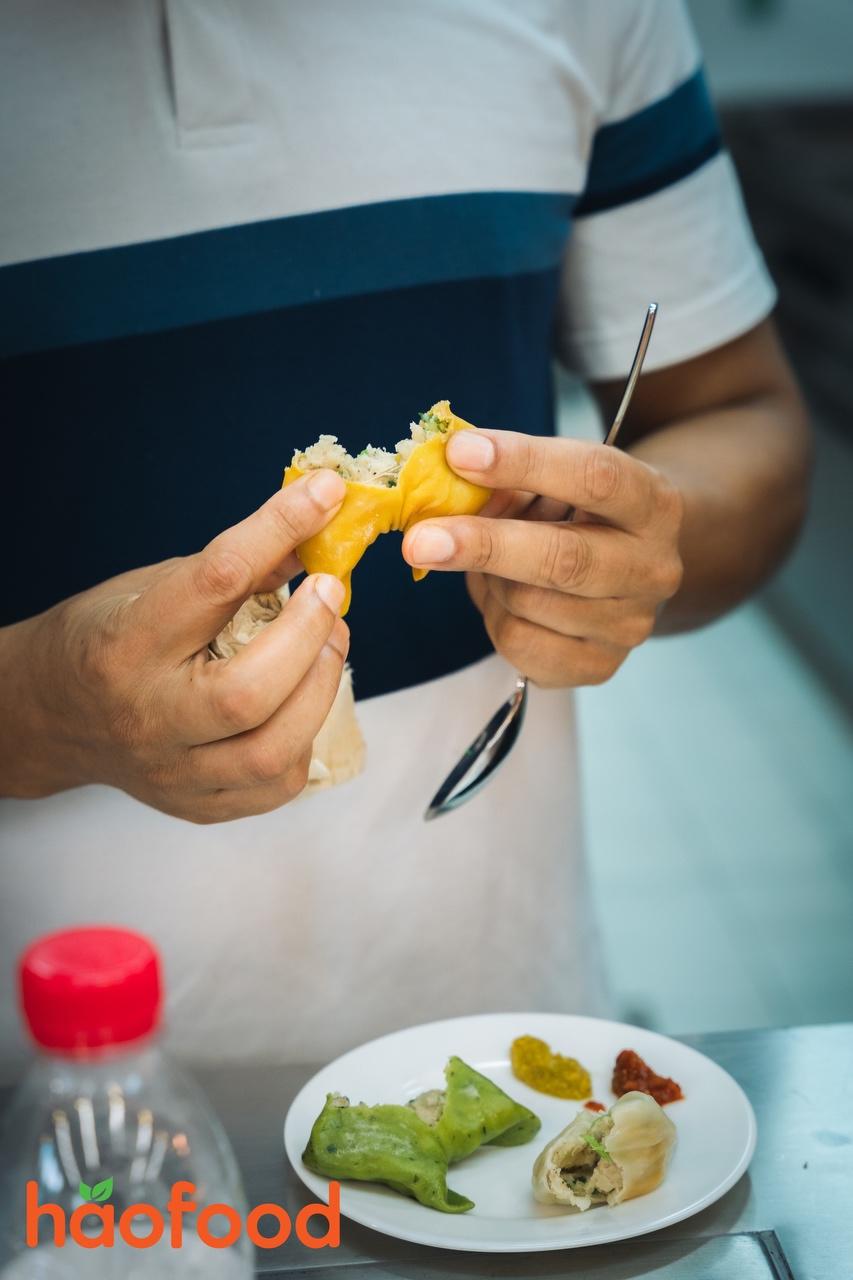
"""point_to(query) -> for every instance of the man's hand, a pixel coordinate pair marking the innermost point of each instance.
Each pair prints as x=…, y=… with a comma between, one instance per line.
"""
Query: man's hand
x=116, y=684
x=563, y=601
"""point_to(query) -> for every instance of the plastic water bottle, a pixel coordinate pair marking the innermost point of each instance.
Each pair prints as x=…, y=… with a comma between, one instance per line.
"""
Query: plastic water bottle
x=103, y=1127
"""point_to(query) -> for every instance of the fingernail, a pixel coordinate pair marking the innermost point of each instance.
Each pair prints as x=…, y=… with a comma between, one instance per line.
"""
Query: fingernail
x=330, y=590
x=471, y=451
x=326, y=488
x=431, y=546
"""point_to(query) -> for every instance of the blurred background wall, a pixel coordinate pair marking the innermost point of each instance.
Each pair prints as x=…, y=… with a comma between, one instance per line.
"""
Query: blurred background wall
x=718, y=767
x=760, y=50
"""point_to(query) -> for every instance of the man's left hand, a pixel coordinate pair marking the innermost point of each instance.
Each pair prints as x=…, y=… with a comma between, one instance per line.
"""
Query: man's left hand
x=564, y=600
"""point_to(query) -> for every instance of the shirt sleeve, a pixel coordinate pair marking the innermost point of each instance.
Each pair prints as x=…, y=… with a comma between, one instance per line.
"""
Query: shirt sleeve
x=661, y=217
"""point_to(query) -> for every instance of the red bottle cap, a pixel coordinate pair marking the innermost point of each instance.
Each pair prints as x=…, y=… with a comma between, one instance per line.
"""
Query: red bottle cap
x=84, y=989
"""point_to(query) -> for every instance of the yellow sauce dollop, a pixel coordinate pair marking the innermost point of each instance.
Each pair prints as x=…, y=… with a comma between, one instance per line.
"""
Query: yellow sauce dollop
x=535, y=1064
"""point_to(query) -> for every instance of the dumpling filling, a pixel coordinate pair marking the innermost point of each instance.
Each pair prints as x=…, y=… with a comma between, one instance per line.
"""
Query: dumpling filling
x=429, y=1106
x=373, y=466
x=593, y=1173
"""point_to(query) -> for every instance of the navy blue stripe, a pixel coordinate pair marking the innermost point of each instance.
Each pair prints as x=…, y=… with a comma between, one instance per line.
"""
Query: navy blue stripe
x=140, y=449
x=650, y=150
x=264, y=266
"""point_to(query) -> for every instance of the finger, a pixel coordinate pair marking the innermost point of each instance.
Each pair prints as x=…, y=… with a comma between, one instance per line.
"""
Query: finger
x=588, y=560
x=477, y=584
x=577, y=472
x=548, y=509
x=225, y=805
x=184, y=610
x=290, y=567
x=507, y=504
x=269, y=752
x=624, y=622
x=227, y=697
x=548, y=659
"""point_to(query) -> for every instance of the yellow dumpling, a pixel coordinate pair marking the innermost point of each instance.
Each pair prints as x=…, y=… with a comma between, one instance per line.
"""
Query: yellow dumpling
x=386, y=491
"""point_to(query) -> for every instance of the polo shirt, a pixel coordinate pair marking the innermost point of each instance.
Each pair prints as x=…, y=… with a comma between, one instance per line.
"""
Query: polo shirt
x=228, y=228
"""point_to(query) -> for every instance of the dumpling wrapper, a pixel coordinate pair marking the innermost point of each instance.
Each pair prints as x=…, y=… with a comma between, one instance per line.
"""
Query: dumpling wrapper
x=387, y=1144
x=472, y=1111
x=426, y=487
x=338, y=752
x=636, y=1134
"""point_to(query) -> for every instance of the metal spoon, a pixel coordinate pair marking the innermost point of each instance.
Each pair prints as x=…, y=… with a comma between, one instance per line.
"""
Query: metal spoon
x=492, y=746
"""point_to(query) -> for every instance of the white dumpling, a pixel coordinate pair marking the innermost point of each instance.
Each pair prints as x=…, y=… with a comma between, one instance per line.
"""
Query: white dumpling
x=636, y=1138
x=338, y=753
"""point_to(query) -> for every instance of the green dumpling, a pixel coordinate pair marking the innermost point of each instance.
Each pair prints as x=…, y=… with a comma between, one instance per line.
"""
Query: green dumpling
x=472, y=1112
x=388, y=1144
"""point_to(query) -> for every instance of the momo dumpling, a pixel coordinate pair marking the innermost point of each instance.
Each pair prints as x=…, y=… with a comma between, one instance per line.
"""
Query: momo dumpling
x=387, y=1144
x=339, y=750
x=385, y=491
x=471, y=1112
x=605, y=1159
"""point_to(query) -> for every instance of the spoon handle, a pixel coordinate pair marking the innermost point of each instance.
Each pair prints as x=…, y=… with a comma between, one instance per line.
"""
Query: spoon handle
x=636, y=367
x=633, y=375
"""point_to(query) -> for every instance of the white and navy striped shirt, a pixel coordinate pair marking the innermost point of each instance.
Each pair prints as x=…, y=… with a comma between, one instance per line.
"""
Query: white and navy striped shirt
x=226, y=228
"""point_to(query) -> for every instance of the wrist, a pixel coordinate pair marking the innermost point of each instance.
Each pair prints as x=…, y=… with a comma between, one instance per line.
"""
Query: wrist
x=36, y=755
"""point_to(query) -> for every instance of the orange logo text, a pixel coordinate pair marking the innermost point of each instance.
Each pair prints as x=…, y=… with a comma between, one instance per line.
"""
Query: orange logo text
x=217, y=1225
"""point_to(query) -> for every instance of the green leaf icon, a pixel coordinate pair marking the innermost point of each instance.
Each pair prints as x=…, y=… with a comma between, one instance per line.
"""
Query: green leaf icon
x=102, y=1190
x=85, y=1190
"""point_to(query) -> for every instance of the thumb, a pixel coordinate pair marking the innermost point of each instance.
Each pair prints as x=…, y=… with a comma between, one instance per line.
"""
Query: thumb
x=182, y=611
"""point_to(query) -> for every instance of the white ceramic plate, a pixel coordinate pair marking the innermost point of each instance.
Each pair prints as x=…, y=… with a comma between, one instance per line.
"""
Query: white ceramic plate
x=715, y=1122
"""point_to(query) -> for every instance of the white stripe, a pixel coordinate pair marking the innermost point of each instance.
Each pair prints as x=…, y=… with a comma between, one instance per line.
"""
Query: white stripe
x=326, y=104
x=690, y=249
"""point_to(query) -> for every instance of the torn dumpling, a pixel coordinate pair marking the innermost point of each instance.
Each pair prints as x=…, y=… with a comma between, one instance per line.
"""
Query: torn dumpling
x=605, y=1159
x=387, y=1144
x=385, y=491
x=253, y=615
x=338, y=752
x=473, y=1111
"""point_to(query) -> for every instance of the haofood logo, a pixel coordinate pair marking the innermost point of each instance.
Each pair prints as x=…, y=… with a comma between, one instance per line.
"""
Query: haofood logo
x=180, y=1204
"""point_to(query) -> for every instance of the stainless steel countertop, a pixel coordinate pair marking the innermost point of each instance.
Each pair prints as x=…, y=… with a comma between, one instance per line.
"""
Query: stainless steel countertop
x=796, y=1202
x=800, y=1184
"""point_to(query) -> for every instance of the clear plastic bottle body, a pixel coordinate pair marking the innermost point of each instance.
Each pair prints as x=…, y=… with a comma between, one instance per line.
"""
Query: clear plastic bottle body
x=127, y=1114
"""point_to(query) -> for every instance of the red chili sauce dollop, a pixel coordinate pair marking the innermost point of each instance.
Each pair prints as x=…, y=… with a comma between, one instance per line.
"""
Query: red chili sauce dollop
x=592, y=1105
x=630, y=1072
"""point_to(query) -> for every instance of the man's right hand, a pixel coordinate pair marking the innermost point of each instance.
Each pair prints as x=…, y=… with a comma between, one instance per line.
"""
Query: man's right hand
x=116, y=685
